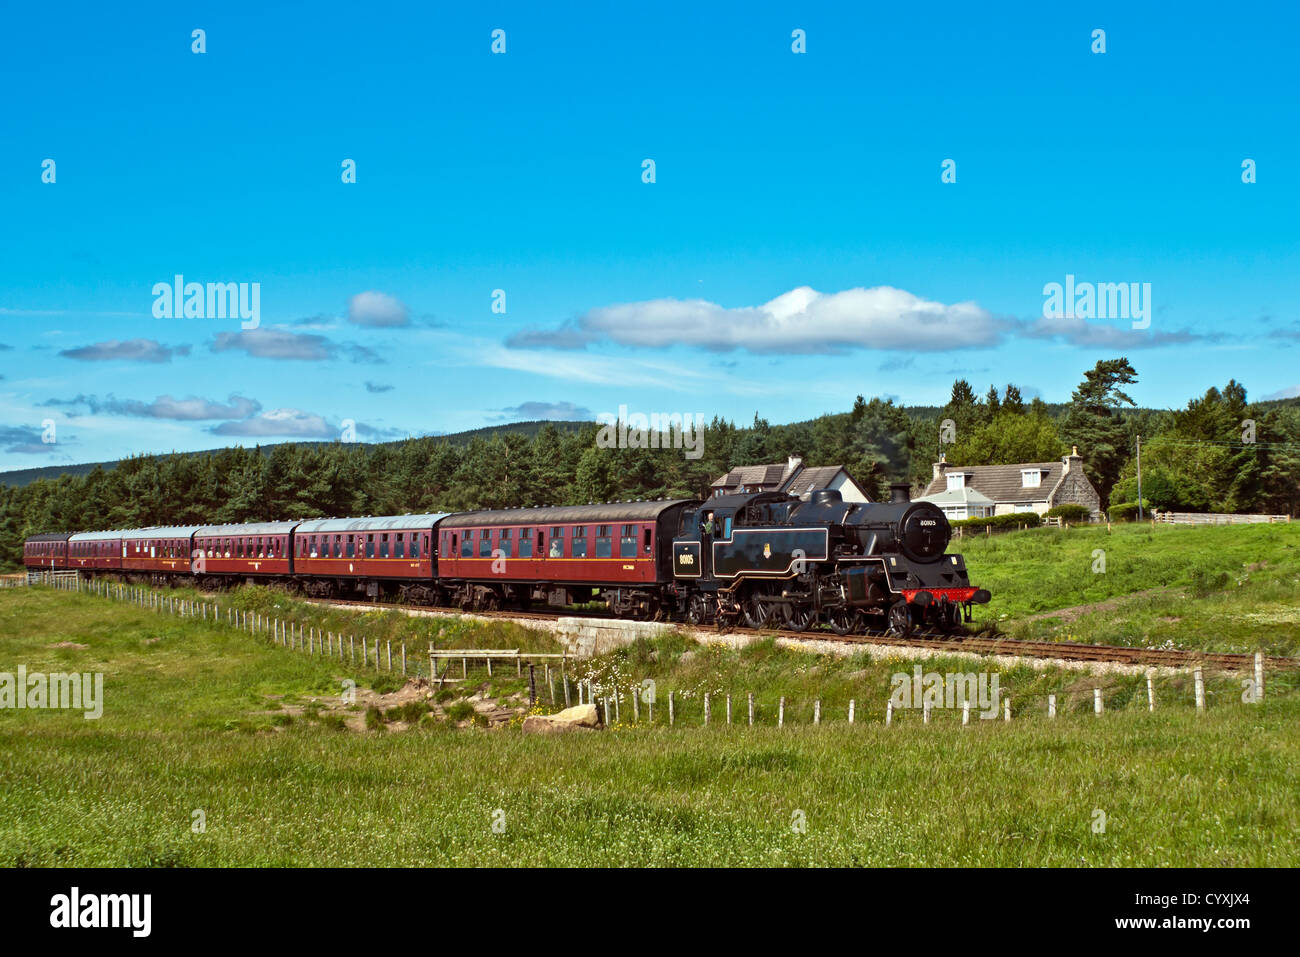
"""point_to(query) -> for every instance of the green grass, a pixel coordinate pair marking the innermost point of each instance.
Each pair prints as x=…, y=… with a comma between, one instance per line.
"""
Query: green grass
x=1224, y=588
x=193, y=722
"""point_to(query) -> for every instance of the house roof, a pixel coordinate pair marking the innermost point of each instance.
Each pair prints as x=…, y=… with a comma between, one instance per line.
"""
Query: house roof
x=957, y=496
x=1001, y=483
x=768, y=475
x=809, y=479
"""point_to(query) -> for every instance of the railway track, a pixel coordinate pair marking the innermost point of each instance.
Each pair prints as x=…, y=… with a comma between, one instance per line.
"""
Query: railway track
x=1110, y=654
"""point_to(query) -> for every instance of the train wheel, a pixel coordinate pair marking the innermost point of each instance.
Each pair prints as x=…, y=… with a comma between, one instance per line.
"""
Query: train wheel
x=899, y=621
x=697, y=612
x=950, y=618
x=799, y=618
x=842, y=620
x=756, y=613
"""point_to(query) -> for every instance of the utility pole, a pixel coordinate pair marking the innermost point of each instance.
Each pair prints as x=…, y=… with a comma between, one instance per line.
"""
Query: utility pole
x=1139, y=478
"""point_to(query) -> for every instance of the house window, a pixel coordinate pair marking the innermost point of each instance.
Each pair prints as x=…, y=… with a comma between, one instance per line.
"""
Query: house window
x=1024, y=508
x=1031, y=478
x=956, y=480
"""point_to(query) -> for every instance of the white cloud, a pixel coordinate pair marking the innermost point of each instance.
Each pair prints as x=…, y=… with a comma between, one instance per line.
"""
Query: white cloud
x=284, y=422
x=377, y=309
x=802, y=320
x=1290, y=392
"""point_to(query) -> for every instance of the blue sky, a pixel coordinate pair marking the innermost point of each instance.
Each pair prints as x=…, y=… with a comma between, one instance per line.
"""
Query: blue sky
x=797, y=247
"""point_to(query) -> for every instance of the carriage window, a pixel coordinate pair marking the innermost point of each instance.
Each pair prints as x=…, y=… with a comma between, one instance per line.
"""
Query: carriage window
x=228, y=547
x=525, y=543
x=399, y=547
x=604, y=543
x=627, y=543
x=239, y=548
x=557, y=543
x=645, y=540
x=338, y=546
x=485, y=543
x=467, y=543
x=579, y=547
x=415, y=545
x=370, y=546
x=383, y=545
x=352, y=548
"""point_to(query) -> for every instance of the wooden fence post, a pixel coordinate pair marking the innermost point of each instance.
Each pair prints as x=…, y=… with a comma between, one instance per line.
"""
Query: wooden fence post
x=564, y=680
x=706, y=709
x=1151, y=692
x=388, y=645
x=636, y=702
x=404, y=666
x=728, y=709
x=817, y=711
x=780, y=712
x=670, y=707
x=925, y=711
x=1259, y=676
x=1200, y=689
x=751, y=707
x=1051, y=706
x=1096, y=701
x=965, y=712
x=1006, y=709
x=889, y=713
x=851, y=704
x=532, y=679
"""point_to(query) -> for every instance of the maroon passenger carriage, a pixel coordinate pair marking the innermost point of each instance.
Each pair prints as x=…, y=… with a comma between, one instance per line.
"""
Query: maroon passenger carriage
x=619, y=552
x=371, y=556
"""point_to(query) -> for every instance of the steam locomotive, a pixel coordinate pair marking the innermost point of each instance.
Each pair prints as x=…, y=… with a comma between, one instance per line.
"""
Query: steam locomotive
x=767, y=560
x=773, y=560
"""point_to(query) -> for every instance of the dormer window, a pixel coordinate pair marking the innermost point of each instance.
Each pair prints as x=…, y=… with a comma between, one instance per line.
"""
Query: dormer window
x=956, y=480
x=1031, y=478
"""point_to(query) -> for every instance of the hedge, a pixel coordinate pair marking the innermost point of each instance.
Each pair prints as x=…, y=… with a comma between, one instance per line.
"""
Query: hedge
x=1017, y=520
x=1070, y=513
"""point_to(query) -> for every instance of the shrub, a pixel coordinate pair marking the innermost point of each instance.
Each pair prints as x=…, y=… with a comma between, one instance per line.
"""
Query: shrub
x=410, y=713
x=1016, y=520
x=374, y=720
x=460, y=711
x=1124, y=512
x=1070, y=513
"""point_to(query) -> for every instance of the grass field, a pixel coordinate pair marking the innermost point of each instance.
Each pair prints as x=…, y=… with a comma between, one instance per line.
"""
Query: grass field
x=197, y=718
x=1224, y=588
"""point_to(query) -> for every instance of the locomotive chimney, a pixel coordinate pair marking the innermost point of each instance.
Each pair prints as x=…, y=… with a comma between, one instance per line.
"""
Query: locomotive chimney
x=900, y=492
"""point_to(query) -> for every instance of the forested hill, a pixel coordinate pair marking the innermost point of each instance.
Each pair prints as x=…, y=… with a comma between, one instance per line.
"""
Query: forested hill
x=20, y=477
x=1219, y=453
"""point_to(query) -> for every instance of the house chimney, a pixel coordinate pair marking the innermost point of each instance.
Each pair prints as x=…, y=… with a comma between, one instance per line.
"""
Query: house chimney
x=792, y=463
x=940, y=465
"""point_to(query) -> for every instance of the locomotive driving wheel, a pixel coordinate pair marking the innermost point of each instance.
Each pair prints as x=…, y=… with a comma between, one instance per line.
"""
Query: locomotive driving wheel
x=898, y=622
x=843, y=620
x=757, y=614
x=799, y=617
